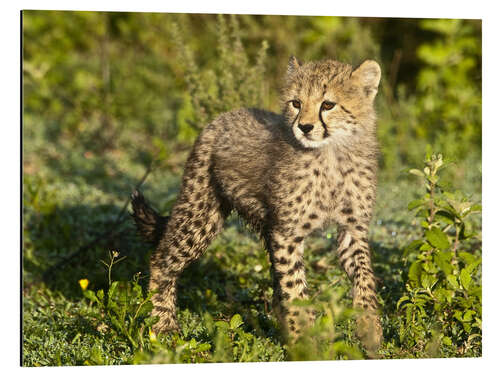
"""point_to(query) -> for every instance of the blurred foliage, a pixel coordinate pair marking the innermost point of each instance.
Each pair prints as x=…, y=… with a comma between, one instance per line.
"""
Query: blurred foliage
x=135, y=81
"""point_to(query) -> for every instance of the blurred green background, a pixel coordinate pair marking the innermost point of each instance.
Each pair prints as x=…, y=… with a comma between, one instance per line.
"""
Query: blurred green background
x=107, y=95
x=132, y=83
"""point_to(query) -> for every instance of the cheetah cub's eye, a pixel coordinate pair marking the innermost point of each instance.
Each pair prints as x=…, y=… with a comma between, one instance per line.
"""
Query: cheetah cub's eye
x=326, y=106
x=296, y=104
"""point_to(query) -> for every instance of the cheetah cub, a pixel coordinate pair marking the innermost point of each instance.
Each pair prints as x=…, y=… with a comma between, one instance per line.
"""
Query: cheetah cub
x=286, y=175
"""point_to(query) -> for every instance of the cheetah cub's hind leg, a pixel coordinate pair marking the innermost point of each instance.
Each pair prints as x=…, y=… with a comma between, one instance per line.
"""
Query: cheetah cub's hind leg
x=196, y=219
x=354, y=256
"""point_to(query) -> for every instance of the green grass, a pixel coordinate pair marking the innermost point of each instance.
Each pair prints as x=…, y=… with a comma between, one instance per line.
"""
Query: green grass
x=70, y=197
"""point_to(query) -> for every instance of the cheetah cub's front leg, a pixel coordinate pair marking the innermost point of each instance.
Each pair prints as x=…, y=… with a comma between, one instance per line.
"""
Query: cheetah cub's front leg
x=354, y=256
x=289, y=282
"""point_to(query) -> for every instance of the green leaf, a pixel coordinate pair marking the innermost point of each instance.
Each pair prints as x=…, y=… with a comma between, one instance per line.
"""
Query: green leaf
x=149, y=321
x=415, y=271
x=426, y=247
x=452, y=279
x=401, y=300
x=476, y=208
x=467, y=317
x=428, y=280
x=415, y=203
x=222, y=324
x=412, y=246
x=416, y=172
x=112, y=289
x=447, y=341
x=100, y=294
x=444, y=217
x=465, y=278
x=443, y=261
x=468, y=257
x=202, y=347
x=90, y=295
x=437, y=238
x=458, y=315
x=236, y=321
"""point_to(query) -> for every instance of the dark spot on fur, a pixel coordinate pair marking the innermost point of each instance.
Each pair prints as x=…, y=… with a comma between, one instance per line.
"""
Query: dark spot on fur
x=291, y=249
x=316, y=172
x=357, y=252
x=298, y=239
x=313, y=216
x=351, y=220
x=298, y=265
x=283, y=260
x=307, y=226
x=347, y=211
x=289, y=284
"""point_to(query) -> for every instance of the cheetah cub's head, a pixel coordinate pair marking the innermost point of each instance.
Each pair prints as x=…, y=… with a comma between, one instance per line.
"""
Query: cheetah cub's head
x=328, y=102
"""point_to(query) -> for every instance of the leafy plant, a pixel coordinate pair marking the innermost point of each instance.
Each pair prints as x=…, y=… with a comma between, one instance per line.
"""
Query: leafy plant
x=323, y=340
x=443, y=290
x=232, y=83
x=126, y=309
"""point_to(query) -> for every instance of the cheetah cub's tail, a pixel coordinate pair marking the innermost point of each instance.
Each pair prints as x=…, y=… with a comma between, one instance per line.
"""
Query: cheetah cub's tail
x=149, y=223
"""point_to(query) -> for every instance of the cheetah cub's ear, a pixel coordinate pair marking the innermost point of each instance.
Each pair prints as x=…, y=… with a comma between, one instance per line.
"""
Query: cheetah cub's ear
x=293, y=65
x=367, y=75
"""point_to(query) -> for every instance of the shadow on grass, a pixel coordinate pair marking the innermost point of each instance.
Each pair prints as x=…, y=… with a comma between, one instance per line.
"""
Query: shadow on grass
x=53, y=236
x=391, y=272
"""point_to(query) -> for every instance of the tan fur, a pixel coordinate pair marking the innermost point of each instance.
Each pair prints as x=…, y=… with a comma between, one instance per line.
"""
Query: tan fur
x=286, y=183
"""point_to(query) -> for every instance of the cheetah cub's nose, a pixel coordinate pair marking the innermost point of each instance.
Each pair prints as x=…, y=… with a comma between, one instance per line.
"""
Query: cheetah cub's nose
x=306, y=128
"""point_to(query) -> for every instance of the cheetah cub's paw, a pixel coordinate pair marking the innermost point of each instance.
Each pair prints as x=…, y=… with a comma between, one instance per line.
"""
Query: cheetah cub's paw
x=369, y=331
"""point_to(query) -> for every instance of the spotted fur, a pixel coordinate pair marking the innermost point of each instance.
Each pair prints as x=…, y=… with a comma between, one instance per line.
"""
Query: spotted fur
x=287, y=175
